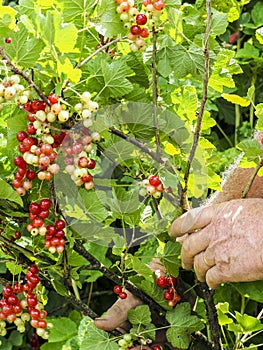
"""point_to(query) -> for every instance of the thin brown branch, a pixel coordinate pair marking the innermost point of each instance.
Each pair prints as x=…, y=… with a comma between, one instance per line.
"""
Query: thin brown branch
x=200, y=114
x=155, y=93
x=18, y=71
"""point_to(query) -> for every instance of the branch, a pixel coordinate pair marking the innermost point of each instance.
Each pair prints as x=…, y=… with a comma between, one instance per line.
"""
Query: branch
x=155, y=93
x=117, y=279
x=18, y=71
x=203, y=103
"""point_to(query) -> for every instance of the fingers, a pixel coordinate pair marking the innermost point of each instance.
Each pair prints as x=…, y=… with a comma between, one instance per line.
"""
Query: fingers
x=202, y=265
x=194, y=219
x=193, y=245
x=118, y=313
x=214, y=277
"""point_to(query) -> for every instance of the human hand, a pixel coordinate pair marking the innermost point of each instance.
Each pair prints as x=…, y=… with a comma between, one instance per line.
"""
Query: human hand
x=117, y=315
x=228, y=245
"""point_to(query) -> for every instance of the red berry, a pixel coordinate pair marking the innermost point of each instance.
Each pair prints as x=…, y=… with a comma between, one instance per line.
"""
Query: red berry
x=171, y=281
x=154, y=180
x=20, y=162
x=31, y=129
x=53, y=98
x=42, y=324
x=135, y=29
x=34, y=279
x=91, y=164
x=8, y=40
x=16, y=183
x=32, y=300
x=31, y=174
x=45, y=204
x=35, y=314
x=159, y=5
x=168, y=296
x=141, y=19
x=233, y=38
x=161, y=281
x=44, y=214
x=21, y=135
x=60, y=224
x=33, y=268
x=34, y=208
x=7, y=291
x=117, y=289
x=86, y=178
x=51, y=229
x=18, y=288
x=60, y=234
x=157, y=347
x=123, y=295
x=17, y=234
x=38, y=105
x=145, y=33
x=83, y=162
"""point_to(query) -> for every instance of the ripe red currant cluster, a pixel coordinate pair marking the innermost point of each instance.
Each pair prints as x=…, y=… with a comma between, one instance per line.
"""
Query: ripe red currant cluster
x=79, y=163
x=151, y=186
x=20, y=304
x=119, y=291
x=135, y=20
x=54, y=234
x=169, y=283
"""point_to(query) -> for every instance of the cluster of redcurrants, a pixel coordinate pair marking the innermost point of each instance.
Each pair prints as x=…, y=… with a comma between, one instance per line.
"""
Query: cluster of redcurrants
x=135, y=21
x=169, y=283
x=10, y=88
x=54, y=234
x=151, y=186
x=20, y=304
x=79, y=163
x=119, y=291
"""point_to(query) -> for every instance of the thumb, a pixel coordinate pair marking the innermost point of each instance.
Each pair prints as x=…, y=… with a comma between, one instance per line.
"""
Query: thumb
x=118, y=313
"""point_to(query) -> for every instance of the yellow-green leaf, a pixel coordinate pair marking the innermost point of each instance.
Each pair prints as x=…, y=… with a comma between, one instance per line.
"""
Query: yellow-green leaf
x=65, y=37
x=66, y=67
x=170, y=149
x=44, y=3
x=9, y=11
x=238, y=100
x=259, y=35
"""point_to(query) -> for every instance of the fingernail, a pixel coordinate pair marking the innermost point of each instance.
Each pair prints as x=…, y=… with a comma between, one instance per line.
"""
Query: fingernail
x=100, y=319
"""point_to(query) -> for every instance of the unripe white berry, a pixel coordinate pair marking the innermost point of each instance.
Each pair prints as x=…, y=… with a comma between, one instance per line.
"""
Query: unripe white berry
x=142, y=192
x=79, y=182
x=10, y=92
x=150, y=189
x=54, y=168
x=37, y=124
x=51, y=117
x=157, y=194
x=52, y=250
x=124, y=17
x=78, y=107
x=21, y=329
x=70, y=169
x=41, y=116
x=49, y=139
x=95, y=136
x=2, y=90
x=42, y=231
x=41, y=331
x=87, y=123
x=34, y=231
x=23, y=99
x=89, y=185
x=15, y=79
x=85, y=97
x=93, y=106
x=88, y=148
x=86, y=114
x=140, y=43
x=145, y=183
x=134, y=48
x=63, y=116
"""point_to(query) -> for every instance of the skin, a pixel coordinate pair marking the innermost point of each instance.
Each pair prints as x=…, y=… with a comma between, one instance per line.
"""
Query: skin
x=226, y=231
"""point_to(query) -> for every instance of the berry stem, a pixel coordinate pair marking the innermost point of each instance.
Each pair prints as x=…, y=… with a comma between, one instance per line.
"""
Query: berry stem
x=18, y=71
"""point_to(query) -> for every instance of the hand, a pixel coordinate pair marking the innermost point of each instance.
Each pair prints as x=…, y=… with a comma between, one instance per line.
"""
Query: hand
x=225, y=241
x=117, y=315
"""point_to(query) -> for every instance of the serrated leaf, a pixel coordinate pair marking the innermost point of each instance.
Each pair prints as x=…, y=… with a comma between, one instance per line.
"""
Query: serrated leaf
x=235, y=99
x=7, y=192
x=250, y=290
x=182, y=325
x=140, y=315
x=14, y=268
x=219, y=23
x=65, y=37
x=59, y=287
x=248, y=323
x=94, y=207
x=74, y=8
x=248, y=51
x=63, y=329
x=170, y=258
x=24, y=50
x=115, y=82
x=251, y=148
x=109, y=24
x=95, y=336
x=64, y=66
x=256, y=13
x=11, y=13
x=137, y=265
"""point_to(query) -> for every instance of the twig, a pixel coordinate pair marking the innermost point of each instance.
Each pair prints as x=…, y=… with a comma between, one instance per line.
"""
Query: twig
x=155, y=93
x=117, y=279
x=212, y=316
x=203, y=103
x=102, y=48
x=138, y=144
x=251, y=180
x=18, y=71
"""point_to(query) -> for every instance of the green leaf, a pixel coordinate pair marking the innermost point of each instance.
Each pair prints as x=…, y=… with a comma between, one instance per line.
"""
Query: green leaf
x=256, y=13
x=109, y=24
x=248, y=323
x=7, y=192
x=115, y=82
x=59, y=287
x=63, y=329
x=219, y=23
x=137, y=265
x=16, y=338
x=249, y=51
x=222, y=309
x=74, y=259
x=75, y=8
x=65, y=37
x=16, y=122
x=95, y=336
x=182, y=325
x=154, y=292
x=250, y=290
x=94, y=207
x=170, y=258
x=14, y=268
x=238, y=100
x=251, y=148
x=24, y=50
x=140, y=315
